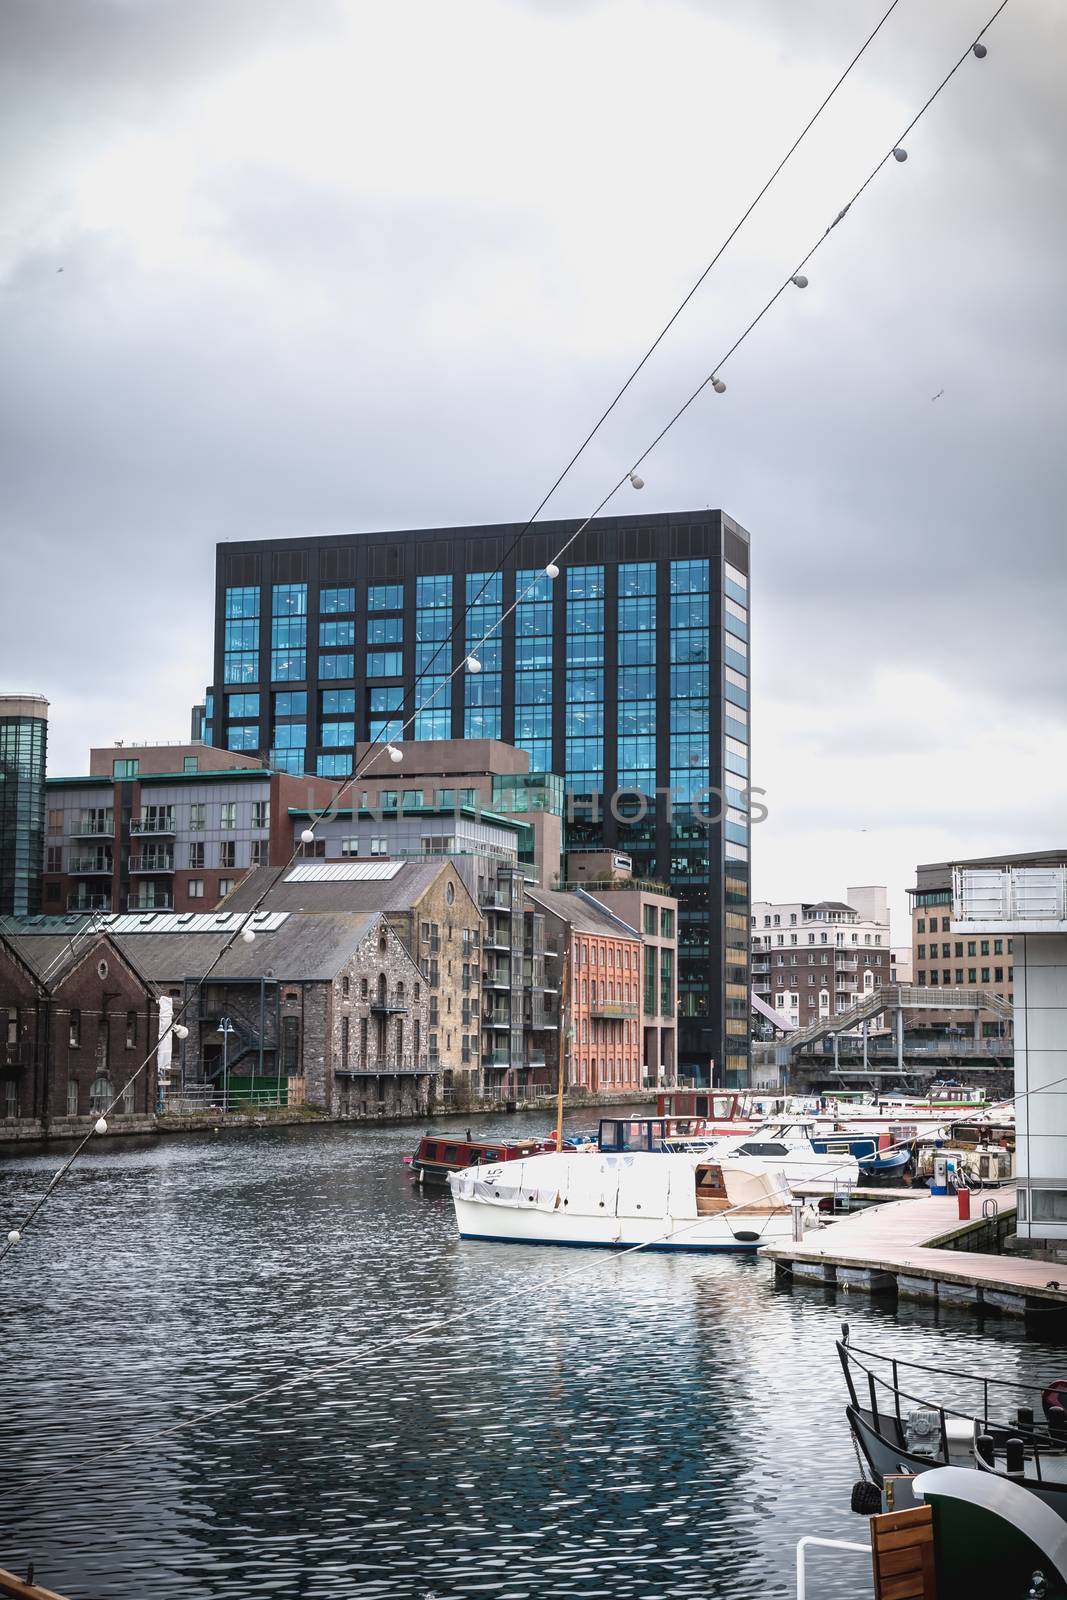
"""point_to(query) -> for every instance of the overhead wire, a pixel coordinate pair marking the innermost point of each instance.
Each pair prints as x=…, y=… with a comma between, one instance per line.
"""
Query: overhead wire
x=375, y=748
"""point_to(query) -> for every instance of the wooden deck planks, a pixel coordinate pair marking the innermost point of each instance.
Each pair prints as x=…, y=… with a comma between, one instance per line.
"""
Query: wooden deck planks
x=897, y=1238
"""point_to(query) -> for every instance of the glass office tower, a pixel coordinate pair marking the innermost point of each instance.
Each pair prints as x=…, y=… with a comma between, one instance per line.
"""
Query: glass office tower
x=23, y=747
x=628, y=676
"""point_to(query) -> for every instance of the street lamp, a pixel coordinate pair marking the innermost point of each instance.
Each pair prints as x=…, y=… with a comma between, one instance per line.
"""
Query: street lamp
x=226, y=1028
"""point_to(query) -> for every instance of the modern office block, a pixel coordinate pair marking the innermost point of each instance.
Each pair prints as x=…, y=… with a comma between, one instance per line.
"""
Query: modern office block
x=23, y=745
x=627, y=676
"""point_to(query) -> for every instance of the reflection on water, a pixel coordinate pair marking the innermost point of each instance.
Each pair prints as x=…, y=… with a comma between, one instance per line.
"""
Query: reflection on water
x=638, y=1426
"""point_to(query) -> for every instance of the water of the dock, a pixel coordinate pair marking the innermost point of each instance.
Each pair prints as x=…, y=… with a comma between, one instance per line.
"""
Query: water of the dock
x=587, y=1425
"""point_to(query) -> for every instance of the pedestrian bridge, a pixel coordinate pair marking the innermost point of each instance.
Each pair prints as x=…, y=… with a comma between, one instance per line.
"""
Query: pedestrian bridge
x=895, y=1001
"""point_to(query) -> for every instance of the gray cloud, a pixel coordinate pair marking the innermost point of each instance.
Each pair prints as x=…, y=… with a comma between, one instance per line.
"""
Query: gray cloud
x=399, y=294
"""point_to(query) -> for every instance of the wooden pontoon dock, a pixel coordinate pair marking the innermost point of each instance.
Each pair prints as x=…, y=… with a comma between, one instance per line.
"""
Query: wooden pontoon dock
x=919, y=1249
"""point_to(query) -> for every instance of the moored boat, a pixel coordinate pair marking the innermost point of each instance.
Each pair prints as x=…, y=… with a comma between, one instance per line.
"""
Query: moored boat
x=439, y=1154
x=907, y=1417
x=665, y=1201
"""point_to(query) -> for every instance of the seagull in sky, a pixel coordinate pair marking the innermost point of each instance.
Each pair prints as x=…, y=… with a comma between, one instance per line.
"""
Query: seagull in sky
x=938, y=395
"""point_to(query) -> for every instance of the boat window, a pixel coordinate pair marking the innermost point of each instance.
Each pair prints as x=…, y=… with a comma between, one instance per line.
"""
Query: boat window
x=429, y=1149
x=450, y=1152
x=490, y=1155
x=753, y=1149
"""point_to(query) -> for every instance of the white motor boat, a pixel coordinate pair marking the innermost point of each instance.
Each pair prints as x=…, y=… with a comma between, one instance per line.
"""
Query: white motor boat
x=786, y=1148
x=666, y=1201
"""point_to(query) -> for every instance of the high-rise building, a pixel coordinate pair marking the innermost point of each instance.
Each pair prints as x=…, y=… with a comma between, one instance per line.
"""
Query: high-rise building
x=627, y=676
x=23, y=745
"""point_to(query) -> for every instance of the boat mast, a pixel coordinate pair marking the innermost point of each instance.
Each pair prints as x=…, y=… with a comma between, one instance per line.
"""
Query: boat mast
x=564, y=1010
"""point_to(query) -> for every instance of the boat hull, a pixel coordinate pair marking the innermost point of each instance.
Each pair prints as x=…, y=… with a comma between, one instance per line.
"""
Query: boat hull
x=508, y=1225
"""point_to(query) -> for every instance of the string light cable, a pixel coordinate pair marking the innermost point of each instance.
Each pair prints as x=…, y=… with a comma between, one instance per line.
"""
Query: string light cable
x=471, y=662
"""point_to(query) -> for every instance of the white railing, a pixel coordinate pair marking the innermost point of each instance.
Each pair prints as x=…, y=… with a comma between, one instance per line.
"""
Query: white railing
x=1009, y=894
x=803, y=1546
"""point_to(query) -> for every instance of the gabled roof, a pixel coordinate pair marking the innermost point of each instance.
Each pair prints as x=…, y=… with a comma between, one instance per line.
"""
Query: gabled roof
x=301, y=949
x=583, y=912
x=285, y=889
x=53, y=957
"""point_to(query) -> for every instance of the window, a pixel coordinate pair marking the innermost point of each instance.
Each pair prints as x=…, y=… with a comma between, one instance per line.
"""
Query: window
x=261, y=813
x=985, y=974
x=75, y=1035
x=225, y=885
x=125, y=767
x=332, y=600
x=972, y=948
x=196, y=855
x=53, y=858
x=379, y=847
x=334, y=734
x=239, y=706
x=228, y=814
x=333, y=766
x=196, y=817
x=350, y=847
x=194, y=888
x=384, y=664
x=55, y=821
x=244, y=736
x=257, y=853
x=290, y=703
x=131, y=1030
x=972, y=974
x=385, y=597
x=337, y=635
x=228, y=853
x=998, y=947
x=338, y=702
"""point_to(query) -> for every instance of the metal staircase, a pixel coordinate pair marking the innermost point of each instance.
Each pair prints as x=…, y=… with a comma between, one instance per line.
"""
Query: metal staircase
x=899, y=997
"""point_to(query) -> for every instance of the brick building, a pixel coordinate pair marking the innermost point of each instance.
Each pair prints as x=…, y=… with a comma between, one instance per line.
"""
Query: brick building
x=166, y=827
x=815, y=959
x=603, y=991
x=79, y=1016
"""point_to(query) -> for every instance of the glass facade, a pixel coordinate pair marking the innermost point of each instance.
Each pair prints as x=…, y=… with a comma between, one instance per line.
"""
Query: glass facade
x=23, y=745
x=482, y=691
x=626, y=678
x=533, y=666
x=433, y=657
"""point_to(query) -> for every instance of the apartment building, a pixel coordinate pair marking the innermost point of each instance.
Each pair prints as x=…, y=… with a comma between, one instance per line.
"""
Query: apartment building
x=983, y=959
x=815, y=959
x=165, y=827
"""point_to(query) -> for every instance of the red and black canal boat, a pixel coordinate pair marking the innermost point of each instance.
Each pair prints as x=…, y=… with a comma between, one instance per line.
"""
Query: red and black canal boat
x=440, y=1154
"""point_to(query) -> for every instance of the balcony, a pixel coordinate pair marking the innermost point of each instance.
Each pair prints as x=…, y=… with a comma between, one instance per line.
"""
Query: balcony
x=390, y=1067
x=497, y=1021
x=389, y=1005
x=159, y=902
x=619, y=1010
x=500, y=979
x=496, y=941
x=91, y=867
x=17, y=1055
x=160, y=863
x=161, y=824
x=497, y=1059
x=94, y=828
x=761, y=966
x=89, y=902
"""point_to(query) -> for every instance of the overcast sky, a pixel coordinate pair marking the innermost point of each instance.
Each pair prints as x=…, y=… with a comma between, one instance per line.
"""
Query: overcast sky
x=282, y=267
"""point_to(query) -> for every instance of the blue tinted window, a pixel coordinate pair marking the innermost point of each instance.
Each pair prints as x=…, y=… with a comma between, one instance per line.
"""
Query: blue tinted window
x=240, y=668
x=334, y=766
x=242, y=705
x=434, y=591
x=337, y=635
x=288, y=633
x=338, y=702
x=385, y=597
x=384, y=664
x=533, y=688
x=532, y=584
x=585, y=583
x=242, y=603
x=336, y=600
x=385, y=630
x=434, y=723
x=533, y=653
x=689, y=577
x=290, y=736
x=241, y=636
x=389, y=731
x=637, y=578
x=291, y=703
x=388, y=699
x=287, y=760
x=637, y=649
x=484, y=588
x=289, y=600
x=337, y=733
x=336, y=667
x=432, y=625
x=285, y=665
x=242, y=737
x=584, y=718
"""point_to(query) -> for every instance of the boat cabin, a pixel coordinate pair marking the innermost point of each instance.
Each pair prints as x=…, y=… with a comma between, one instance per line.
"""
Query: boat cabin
x=618, y=1134
x=718, y=1105
x=438, y=1155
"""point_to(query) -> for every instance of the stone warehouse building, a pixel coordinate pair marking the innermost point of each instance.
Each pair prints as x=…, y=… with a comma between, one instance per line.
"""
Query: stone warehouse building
x=79, y=1016
x=325, y=1009
x=432, y=912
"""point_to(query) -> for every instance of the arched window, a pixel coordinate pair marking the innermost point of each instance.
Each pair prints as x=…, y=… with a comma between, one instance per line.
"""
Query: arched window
x=400, y=992
x=381, y=988
x=101, y=1094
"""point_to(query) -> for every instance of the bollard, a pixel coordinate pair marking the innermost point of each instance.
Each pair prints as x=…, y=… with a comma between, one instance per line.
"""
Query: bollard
x=797, y=1208
x=963, y=1200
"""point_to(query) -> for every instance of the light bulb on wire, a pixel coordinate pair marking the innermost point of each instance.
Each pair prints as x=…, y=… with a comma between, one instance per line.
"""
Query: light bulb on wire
x=248, y=935
x=14, y=1236
x=980, y=50
x=717, y=384
x=900, y=154
x=395, y=755
x=100, y=1126
x=551, y=571
x=307, y=836
x=636, y=480
x=181, y=1031
x=473, y=664
x=799, y=279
